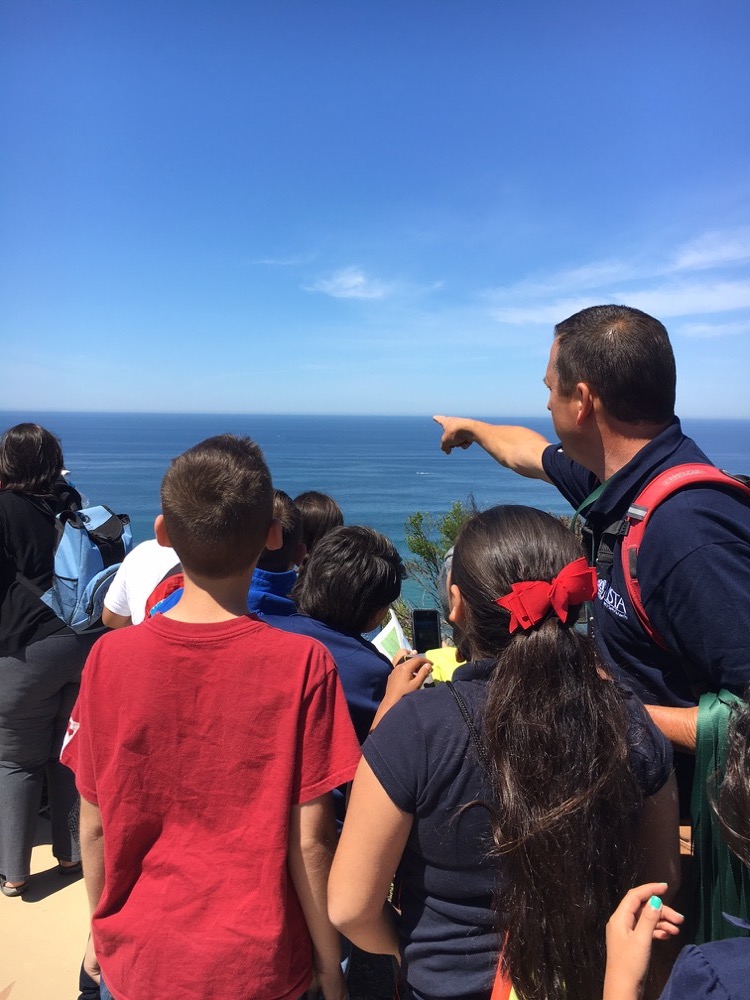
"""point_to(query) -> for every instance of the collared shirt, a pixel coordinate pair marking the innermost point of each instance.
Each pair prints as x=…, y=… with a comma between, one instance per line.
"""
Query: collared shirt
x=269, y=593
x=693, y=569
x=719, y=970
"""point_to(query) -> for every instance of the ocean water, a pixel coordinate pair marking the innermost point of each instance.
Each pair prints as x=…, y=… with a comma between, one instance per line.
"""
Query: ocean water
x=379, y=469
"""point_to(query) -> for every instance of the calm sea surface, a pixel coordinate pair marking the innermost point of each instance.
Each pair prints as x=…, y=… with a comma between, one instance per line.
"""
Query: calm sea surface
x=379, y=469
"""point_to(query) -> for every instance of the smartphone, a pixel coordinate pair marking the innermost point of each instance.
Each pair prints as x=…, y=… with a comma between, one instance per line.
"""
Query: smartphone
x=425, y=629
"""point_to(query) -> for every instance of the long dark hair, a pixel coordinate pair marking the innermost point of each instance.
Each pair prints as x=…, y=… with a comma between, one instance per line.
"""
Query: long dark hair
x=31, y=460
x=565, y=800
x=733, y=809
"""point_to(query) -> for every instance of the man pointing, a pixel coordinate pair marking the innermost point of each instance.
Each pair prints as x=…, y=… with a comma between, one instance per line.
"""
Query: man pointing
x=611, y=381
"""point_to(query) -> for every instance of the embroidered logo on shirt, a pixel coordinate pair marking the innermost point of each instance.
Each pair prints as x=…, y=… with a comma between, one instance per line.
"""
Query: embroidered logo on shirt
x=611, y=599
x=73, y=728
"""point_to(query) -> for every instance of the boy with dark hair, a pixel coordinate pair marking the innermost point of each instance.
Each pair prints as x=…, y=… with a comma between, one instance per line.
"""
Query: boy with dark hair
x=275, y=575
x=346, y=588
x=206, y=847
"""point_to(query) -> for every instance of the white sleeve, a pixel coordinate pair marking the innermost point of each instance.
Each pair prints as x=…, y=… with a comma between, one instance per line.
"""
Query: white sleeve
x=116, y=598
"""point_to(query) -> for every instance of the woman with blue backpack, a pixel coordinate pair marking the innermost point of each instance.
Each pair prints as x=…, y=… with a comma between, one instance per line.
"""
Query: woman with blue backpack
x=41, y=658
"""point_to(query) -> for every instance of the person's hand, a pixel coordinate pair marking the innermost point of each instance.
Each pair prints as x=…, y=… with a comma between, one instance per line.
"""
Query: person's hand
x=90, y=961
x=330, y=985
x=640, y=919
x=401, y=655
x=456, y=433
x=407, y=676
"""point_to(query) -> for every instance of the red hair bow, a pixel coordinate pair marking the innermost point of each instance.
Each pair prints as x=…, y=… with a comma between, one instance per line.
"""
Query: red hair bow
x=530, y=602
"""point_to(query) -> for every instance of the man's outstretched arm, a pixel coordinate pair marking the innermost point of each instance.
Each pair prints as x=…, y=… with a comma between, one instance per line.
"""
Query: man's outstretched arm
x=517, y=448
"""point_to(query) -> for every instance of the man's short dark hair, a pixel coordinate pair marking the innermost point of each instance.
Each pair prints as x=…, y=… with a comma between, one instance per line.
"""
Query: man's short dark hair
x=626, y=358
x=217, y=502
x=285, y=511
x=353, y=573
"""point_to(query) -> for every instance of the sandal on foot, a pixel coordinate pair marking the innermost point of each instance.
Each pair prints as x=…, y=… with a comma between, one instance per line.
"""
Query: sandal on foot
x=14, y=890
x=66, y=870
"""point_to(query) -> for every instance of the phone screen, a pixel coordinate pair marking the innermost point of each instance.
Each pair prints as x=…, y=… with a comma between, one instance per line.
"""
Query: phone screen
x=426, y=629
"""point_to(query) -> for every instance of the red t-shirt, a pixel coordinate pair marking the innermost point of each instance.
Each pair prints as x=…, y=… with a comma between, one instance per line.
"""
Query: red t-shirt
x=195, y=741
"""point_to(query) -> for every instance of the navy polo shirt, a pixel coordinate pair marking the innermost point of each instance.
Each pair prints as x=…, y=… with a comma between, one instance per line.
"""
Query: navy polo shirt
x=693, y=568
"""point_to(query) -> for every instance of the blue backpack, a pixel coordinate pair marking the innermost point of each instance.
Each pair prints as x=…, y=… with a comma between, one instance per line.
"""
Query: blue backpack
x=89, y=548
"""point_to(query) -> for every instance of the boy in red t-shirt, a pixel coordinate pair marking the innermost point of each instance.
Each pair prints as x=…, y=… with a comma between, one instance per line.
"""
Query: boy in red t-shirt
x=205, y=746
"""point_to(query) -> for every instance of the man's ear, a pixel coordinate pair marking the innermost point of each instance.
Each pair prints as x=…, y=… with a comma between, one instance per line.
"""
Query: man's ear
x=275, y=538
x=299, y=554
x=160, y=532
x=457, y=614
x=585, y=399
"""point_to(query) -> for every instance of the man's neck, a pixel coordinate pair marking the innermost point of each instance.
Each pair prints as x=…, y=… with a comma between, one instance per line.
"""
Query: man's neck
x=205, y=601
x=618, y=444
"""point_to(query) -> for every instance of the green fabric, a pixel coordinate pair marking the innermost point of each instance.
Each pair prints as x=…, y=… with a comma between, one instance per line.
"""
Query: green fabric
x=720, y=881
x=585, y=504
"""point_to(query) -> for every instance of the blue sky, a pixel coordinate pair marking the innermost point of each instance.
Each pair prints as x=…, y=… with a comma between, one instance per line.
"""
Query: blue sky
x=361, y=207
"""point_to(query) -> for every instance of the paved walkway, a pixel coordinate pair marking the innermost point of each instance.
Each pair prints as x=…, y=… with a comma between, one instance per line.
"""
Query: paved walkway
x=43, y=933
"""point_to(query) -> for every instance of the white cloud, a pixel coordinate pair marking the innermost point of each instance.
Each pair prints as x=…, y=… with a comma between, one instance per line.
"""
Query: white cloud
x=713, y=249
x=690, y=298
x=593, y=275
x=547, y=313
x=350, y=283
x=663, y=287
x=706, y=330
x=675, y=299
x=292, y=261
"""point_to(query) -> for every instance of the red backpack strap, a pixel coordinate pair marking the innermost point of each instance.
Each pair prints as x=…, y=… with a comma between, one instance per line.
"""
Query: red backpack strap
x=639, y=514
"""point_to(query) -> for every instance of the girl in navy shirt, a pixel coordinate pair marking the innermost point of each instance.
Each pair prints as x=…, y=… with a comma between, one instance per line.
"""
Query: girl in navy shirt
x=516, y=807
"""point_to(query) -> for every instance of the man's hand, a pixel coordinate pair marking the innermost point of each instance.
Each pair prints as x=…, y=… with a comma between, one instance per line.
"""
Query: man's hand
x=457, y=433
x=517, y=448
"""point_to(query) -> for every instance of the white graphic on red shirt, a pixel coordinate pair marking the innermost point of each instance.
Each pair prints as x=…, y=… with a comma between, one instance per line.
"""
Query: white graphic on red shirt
x=73, y=728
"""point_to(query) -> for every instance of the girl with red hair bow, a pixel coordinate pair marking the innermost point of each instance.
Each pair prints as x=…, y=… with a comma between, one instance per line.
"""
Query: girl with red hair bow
x=517, y=804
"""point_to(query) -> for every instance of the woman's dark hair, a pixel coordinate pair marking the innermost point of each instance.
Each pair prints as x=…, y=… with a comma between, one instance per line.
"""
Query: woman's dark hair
x=320, y=513
x=565, y=801
x=353, y=573
x=733, y=808
x=31, y=460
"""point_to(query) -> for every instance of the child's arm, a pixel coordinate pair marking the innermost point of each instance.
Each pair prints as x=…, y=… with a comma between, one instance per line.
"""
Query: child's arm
x=638, y=920
x=92, y=855
x=407, y=676
x=659, y=839
x=370, y=848
x=312, y=841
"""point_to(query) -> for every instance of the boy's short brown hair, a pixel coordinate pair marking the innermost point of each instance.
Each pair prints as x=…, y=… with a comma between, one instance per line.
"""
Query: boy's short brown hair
x=217, y=502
